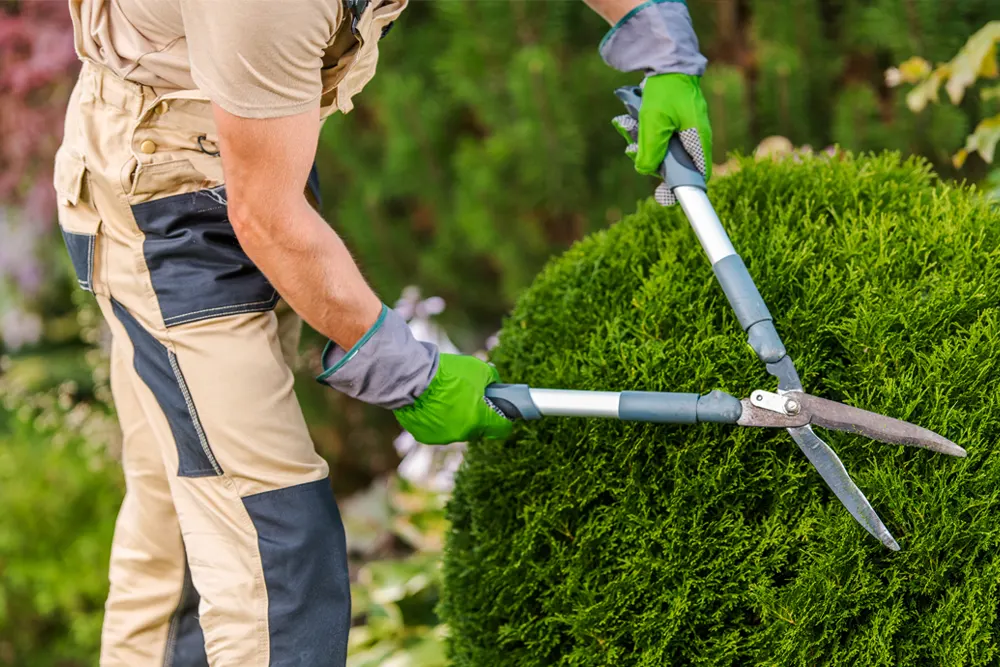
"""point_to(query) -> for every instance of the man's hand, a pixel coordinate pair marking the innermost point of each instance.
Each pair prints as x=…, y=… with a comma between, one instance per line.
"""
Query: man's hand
x=454, y=407
x=658, y=39
x=671, y=103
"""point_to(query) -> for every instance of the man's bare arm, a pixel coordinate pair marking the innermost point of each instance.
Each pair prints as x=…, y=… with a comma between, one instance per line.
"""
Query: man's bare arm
x=613, y=11
x=266, y=164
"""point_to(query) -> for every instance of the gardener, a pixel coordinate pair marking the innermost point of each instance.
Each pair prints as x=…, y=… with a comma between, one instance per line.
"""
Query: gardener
x=229, y=549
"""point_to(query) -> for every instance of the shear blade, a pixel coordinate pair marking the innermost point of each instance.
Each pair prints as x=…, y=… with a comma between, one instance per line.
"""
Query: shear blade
x=830, y=468
x=840, y=417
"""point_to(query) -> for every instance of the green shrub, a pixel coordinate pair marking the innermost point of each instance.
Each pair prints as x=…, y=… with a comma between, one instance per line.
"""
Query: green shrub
x=595, y=542
x=59, y=494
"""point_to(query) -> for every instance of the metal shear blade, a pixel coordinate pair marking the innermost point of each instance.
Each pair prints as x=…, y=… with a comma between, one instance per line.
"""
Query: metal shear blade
x=798, y=411
x=830, y=468
x=840, y=417
x=764, y=411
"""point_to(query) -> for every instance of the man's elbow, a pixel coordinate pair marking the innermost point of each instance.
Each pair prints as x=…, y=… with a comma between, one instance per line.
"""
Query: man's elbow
x=245, y=214
x=255, y=218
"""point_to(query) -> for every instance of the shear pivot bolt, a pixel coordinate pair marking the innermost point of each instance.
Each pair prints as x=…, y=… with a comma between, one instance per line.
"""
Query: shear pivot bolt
x=792, y=406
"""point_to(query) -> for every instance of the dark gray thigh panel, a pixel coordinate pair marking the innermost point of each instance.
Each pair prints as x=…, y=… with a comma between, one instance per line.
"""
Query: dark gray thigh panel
x=197, y=266
x=81, y=253
x=157, y=367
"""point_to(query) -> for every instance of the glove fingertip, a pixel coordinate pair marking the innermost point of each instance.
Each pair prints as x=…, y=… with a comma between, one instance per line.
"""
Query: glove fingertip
x=494, y=375
x=644, y=165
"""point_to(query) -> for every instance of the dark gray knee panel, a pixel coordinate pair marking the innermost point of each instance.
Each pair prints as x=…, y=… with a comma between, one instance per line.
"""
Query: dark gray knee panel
x=185, y=639
x=304, y=555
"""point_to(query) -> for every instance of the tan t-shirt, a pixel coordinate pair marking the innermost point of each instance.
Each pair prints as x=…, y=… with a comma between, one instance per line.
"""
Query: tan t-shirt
x=254, y=58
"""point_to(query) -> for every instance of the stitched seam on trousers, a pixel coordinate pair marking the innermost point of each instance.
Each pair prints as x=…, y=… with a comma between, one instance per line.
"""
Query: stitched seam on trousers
x=86, y=282
x=259, y=582
x=220, y=311
x=235, y=305
x=90, y=262
x=200, y=472
x=264, y=307
x=193, y=413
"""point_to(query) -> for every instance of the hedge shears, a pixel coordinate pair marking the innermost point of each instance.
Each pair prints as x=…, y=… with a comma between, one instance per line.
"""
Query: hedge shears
x=789, y=407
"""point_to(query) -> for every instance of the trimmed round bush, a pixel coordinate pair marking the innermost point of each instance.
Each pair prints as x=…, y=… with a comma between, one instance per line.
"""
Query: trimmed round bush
x=596, y=542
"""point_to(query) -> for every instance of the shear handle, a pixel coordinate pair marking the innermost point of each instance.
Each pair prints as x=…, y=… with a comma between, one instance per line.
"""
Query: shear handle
x=519, y=401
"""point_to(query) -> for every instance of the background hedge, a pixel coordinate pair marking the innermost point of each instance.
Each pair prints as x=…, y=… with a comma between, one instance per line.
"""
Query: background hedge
x=484, y=145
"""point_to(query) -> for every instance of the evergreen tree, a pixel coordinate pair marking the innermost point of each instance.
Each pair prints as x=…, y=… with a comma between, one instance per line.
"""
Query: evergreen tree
x=484, y=143
x=598, y=542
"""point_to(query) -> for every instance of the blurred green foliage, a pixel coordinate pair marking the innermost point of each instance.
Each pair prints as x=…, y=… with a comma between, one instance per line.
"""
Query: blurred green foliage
x=394, y=598
x=59, y=494
x=976, y=62
x=484, y=144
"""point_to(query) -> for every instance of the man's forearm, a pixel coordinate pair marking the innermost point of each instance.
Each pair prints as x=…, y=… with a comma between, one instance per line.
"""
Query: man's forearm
x=266, y=163
x=313, y=271
x=613, y=11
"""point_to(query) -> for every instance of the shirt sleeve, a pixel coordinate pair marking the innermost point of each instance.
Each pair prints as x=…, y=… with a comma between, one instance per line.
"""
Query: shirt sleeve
x=259, y=58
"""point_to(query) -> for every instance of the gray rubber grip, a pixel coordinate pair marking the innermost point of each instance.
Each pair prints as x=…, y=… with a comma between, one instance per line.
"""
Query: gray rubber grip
x=741, y=291
x=749, y=307
x=718, y=406
x=678, y=168
x=658, y=407
x=513, y=400
x=765, y=342
x=674, y=408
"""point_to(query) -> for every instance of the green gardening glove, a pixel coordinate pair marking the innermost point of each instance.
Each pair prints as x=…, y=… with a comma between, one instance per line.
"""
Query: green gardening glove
x=454, y=407
x=671, y=103
x=657, y=38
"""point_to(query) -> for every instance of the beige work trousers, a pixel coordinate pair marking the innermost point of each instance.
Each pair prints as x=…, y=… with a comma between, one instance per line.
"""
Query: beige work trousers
x=229, y=549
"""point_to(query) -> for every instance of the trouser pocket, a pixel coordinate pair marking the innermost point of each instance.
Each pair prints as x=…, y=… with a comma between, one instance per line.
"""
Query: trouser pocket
x=178, y=201
x=78, y=219
x=196, y=264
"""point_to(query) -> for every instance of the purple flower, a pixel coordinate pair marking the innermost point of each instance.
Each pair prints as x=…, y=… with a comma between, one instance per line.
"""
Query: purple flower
x=19, y=252
x=18, y=328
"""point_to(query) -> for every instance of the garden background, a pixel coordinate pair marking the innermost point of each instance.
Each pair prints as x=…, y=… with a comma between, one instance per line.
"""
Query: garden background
x=482, y=148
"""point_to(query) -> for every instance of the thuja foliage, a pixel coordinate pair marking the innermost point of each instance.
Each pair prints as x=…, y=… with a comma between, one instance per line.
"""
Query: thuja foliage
x=596, y=542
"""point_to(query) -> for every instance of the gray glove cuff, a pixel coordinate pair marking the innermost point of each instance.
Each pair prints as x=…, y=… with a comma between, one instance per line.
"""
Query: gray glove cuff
x=656, y=38
x=388, y=367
